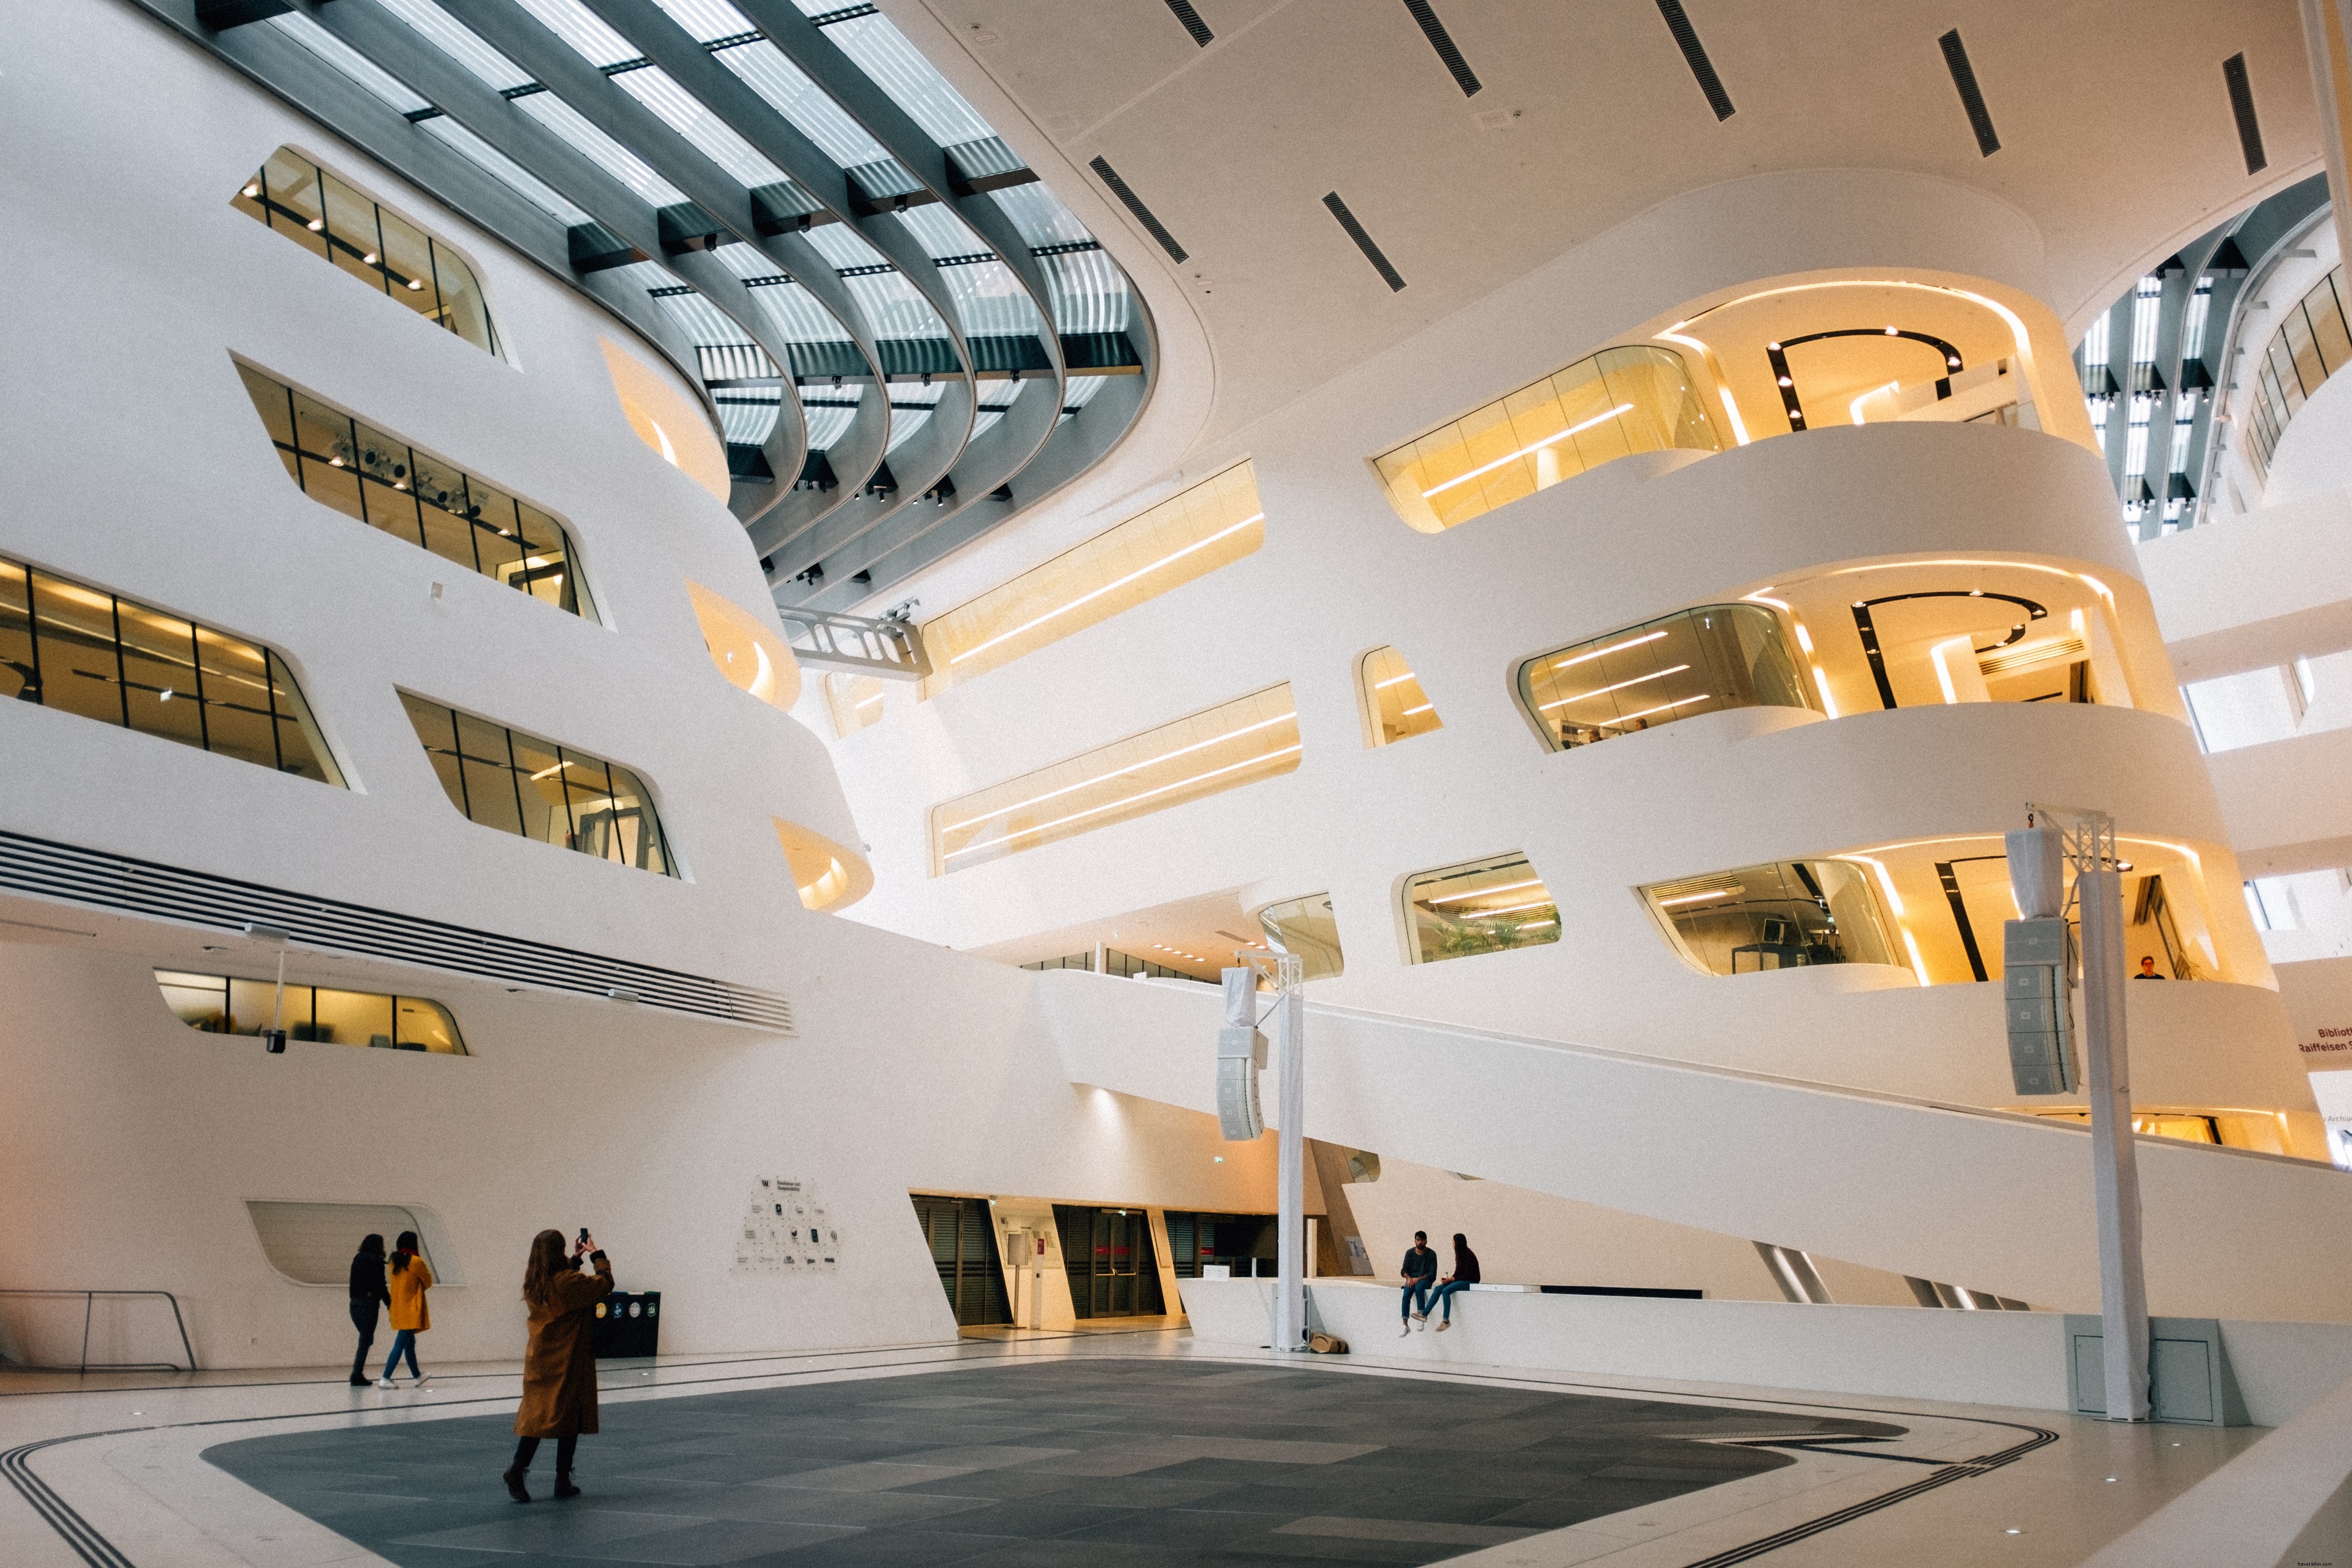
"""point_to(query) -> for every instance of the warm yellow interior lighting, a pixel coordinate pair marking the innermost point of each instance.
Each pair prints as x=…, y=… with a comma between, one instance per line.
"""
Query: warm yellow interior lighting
x=1238, y=742
x=1395, y=707
x=1530, y=446
x=1605, y=690
x=1189, y=535
x=1612, y=648
x=753, y=659
x=855, y=703
x=825, y=875
x=655, y=408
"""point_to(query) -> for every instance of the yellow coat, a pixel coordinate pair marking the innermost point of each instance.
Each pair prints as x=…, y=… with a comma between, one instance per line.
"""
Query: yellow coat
x=408, y=1287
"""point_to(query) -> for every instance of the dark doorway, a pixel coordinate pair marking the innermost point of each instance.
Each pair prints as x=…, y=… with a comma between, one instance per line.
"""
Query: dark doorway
x=963, y=1247
x=1113, y=1270
x=1246, y=1243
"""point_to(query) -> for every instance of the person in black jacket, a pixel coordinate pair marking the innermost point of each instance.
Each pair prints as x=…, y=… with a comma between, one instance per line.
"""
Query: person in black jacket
x=368, y=1294
x=1464, y=1274
x=1420, y=1270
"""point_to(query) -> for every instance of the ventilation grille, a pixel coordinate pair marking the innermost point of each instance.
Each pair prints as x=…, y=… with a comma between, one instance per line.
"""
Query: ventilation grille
x=1964, y=77
x=1694, y=55
x=1388, y=274
x=1134, y=204
x=2031, y=654
x=2242, y=105
x=47, y=870
x=1443, y=42
x=1192, y=22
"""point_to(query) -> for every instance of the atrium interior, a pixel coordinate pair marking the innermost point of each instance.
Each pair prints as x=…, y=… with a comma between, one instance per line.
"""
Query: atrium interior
x=1180, y=645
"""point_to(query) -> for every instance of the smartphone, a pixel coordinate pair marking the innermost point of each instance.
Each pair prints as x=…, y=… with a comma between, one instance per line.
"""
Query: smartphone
x=584, y=1235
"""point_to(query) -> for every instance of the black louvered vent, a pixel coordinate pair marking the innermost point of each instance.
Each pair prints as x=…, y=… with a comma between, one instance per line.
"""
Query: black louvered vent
x=2242, y=104
x=44, y=869
x=1134, y=204
x=1694, y=55
x=1192, y=22
x=1443, y=42
x=1363, y=241
x=1964, y=77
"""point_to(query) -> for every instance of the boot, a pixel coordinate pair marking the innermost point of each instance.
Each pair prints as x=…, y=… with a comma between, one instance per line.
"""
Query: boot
x=515, y=1489
x=563, y=1487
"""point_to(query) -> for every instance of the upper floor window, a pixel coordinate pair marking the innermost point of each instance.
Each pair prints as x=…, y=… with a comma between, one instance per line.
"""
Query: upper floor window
x=1221, y=748
x=1695, y=662
x=1214, y=523
x=222, y=1004
x=1308, y=928
x=1619, y=402
x=65, y=645
x=1786, y=915
x=1480, y=906
x=384, y=482
x=518, y=783
x=296, y=198
x=854, y=701
x=1394, y=706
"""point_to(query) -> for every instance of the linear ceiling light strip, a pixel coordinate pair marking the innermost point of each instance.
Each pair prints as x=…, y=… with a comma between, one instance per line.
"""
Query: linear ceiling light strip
x=1192, y=22
x=1964, y=77
x=1443, y=42
x=1695, y=56
x=2241, y=107
x=1388, y=274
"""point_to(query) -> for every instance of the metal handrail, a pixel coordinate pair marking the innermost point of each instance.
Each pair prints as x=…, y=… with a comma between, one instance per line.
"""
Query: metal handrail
x=888, y=645
x=89, y=1306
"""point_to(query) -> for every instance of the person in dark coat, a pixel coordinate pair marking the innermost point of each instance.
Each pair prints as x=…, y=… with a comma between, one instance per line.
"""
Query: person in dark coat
x=1464, y=1274
x=368, y=1297
x=559, y=1369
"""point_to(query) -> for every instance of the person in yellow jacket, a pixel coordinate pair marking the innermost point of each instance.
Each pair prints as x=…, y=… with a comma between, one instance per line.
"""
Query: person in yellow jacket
x=407, y=1276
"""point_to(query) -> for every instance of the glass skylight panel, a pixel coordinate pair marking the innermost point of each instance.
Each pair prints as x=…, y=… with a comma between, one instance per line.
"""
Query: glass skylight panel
x=615, y=160
x=843, y=246
x=583, y=30
x=459, y=43
x=526, y=185
x=936, y=228
x=991, y=301
x=829, y=424
x=1040, y=216
x=2192, y=329
x=2147, y=302
x=1082, y=390
x=877, y=47
x=1087, y=291
x=303, y=30
x=691, y=118
x=895, y=308
x=905, y=425
x=708, y=19
x=788, y=306
x=767, y=72
x=748, y=416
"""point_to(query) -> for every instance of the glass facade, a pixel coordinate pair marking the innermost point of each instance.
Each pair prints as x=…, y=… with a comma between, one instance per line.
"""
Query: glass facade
x=1394, y=708
x=1214, y=523
x=387, y=484
x=1779, y=916
x=1306, y=927
x=222, y=1004
x=1695, y=662
x=1619, y=402
x=295, y=197
x=854, y=701
x=2312, y=344
x=66, y=646
x=1480, y=906
x=518, y=783
x=1222, y=748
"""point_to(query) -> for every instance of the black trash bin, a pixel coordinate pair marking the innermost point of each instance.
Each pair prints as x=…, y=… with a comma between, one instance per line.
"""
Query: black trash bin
x=628, y=1324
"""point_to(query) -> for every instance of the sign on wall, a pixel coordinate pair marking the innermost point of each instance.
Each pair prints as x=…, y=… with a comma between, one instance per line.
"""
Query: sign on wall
x=2334, y=1092
x=785, y=1230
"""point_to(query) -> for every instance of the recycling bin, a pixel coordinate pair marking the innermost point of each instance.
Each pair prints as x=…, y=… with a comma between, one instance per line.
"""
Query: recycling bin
x=628, y=1325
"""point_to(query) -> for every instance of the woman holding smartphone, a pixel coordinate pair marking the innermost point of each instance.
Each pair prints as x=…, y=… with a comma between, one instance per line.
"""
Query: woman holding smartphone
x=559, y=1369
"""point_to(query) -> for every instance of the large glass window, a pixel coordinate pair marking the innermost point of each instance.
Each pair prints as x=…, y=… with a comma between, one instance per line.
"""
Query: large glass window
x=1480, y=906
x=295, y=197
x=1215, y=523
x=1233, y=743
x=518, y=783
x=225, y=1004
x=2312, y=344
x=1696, y=661
x=382, y=481
x=1619, y=402
x=1779, y=916
x=1306, y=927
x=65, y=645
x=1394, y=706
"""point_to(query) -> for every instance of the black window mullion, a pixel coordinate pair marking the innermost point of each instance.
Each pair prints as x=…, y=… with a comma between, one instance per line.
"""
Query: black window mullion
x=458, y=751
x=468, y=509
x=270, y=667
x=572, y=817
x=33, y=633
x=383, y=267
x=121, y=675
x=514, y=774
x=415, y=499
x=433, y=265
x=294, y=429
x=196, y=673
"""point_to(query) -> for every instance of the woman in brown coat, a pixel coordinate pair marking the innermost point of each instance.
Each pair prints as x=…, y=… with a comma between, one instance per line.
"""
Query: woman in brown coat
x=559, y=1370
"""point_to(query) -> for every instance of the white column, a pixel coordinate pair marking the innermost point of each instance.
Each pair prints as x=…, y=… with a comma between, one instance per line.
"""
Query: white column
x=1290, y=1176
x=2123, y=1284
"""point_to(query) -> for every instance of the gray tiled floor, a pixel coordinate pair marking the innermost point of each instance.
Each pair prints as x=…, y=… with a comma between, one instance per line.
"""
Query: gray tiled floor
x=1100, y=1463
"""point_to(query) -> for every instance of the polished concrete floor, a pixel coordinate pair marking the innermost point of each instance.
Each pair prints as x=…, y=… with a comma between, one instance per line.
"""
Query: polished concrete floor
x=1131, y=1462
x=815, y=1458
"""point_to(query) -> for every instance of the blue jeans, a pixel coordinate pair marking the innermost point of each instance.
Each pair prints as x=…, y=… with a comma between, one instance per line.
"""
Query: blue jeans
x=403, y=1342
x=1416, y=1299
x=1446, y=1292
